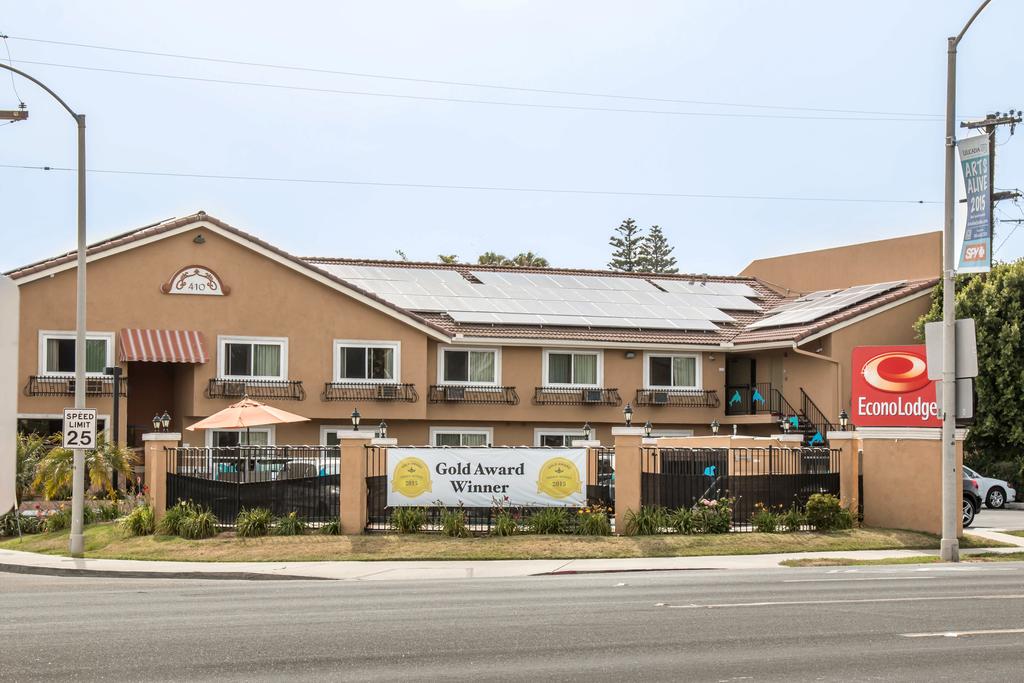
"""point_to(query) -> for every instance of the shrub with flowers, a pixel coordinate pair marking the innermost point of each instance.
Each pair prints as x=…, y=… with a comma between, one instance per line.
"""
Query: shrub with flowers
x=712, y=516
x=507, y=520
x=593, y=521
x=765, y=519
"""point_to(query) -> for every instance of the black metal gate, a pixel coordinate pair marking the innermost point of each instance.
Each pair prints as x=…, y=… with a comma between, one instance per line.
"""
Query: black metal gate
x=301, y=479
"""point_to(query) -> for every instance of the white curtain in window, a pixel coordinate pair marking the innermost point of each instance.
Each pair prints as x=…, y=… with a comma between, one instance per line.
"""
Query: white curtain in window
x=559, y=368
x=474, y=440
x=684, y=372
x=53, y=355
x=95, y=355
x=585, y=368
x=266, y=360
x=481, y=366
x=447, y=439
x=382, y=363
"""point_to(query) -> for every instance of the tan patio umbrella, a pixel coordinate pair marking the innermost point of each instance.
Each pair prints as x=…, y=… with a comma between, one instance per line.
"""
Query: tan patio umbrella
x=244, y=414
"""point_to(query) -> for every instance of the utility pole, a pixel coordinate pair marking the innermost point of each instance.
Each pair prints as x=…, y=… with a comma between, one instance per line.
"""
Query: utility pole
x=989, y=124
x=949, y=547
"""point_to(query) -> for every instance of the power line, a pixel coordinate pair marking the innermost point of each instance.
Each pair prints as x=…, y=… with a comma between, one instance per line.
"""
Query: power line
x=485, y=188
x=465, y=84
x=458, y=100
x=14, y=85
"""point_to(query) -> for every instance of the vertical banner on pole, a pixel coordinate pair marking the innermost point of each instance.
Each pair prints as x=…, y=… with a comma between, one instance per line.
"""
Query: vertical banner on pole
x=976, y=250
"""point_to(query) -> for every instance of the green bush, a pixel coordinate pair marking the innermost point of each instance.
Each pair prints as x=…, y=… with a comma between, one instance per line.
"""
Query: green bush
x=646, y=521
x=593, y=522
x=680, y=519
x=253, y=522
x=505, y=524
x=712, y=516
x=58, y=520
x=408, y=520
x=29, y=524
x=792, y=519
x=825, y=513
x=290, y=525
x=174, y=518
x=453, y=522
x=139, y=522
x=108, y=512
x=549, y=521
x=198, y=524
x=765, y=520
x=332, y=528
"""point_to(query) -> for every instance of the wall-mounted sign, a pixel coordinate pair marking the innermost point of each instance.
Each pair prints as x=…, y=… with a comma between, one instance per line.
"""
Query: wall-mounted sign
x=197, y=280
x=476, y=477
x=890, y=388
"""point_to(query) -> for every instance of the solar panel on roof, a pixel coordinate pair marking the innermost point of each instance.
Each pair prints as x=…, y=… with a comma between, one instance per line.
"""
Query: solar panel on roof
x=817, y=305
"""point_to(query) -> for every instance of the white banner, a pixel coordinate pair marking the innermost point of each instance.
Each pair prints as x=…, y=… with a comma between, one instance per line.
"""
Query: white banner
x=476, y=477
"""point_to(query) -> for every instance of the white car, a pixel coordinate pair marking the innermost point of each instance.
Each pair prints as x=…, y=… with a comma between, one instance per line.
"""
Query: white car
x=995, y=492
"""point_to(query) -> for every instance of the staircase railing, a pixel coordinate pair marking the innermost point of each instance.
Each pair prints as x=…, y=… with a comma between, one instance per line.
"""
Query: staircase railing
x=780, y=406
x=814, y=415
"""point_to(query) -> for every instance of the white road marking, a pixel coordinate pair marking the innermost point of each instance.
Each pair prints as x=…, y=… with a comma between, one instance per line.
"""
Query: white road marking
x=849, y=601
x=872, y=578
x=957, y=634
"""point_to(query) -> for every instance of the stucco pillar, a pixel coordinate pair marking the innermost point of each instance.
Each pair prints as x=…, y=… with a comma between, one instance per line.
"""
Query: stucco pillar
x=849, y=468
x=628, y=473
x=353, y=479
x=157, y=468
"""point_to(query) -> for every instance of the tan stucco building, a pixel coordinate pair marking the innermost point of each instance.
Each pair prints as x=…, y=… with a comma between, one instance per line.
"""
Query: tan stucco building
x=198, y=313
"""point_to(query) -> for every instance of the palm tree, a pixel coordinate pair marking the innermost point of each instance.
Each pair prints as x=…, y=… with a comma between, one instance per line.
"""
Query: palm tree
x=490, y=258
x=54, y=471
x=30, y=449
x=528, y=258
x=448, y=258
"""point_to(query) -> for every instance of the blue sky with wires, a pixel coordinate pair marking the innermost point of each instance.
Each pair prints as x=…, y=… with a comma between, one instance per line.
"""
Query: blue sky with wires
x=354, y=129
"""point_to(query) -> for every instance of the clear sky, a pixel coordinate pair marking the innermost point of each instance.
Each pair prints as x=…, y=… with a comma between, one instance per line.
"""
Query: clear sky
x=883, y=56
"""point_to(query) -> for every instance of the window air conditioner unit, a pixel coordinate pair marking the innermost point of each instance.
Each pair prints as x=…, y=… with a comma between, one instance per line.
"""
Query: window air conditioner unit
x=454, y=393
x=387, y=391
x=592, y=395
x=94, y=386
x=234, y=389
x=659, y=398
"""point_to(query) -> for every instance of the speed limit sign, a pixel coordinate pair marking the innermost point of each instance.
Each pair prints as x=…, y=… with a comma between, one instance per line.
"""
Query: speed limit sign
x=79, y=428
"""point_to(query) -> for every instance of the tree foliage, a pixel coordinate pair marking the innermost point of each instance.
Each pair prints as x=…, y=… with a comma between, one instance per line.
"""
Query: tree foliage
x=996, y=302
x=491, y=258
x=448, y=258
x=522, y=259
x=626, y=242
x=654, y=254
x=53, y=474
x=30, y=449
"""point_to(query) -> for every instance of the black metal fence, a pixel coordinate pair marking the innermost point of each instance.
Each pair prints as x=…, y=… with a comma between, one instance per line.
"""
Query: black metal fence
x=772, y=477
x=281, y=389
x=59, y=385
x=568, y=396
x=284, y=479
x=480, y=520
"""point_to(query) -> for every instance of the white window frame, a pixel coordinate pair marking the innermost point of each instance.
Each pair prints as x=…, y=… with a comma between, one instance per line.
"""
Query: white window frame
x=63, y=334
x=395, y=346
x=440, y=366
x=671, y=433
x=576, y=434
x=223, y=340
x=698, y=374
x=60, y=416
x=486, y=431
x=590, y=352
x=270, y=431
x=325, y=429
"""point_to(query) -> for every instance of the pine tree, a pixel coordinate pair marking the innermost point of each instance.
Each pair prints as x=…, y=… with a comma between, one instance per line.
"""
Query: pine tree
x=626, y=243
x=654, y=254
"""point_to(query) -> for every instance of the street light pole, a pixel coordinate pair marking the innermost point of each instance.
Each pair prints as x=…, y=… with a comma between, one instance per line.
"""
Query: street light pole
x=949, y=548
x=77, y=545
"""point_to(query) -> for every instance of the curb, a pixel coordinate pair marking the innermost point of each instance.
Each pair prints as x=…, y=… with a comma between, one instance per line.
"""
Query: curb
x=132, y=574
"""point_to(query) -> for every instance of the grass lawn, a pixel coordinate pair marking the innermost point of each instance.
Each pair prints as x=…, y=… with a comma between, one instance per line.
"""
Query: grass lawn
x=921, y=559
x=107, y=541
x=1015, y=532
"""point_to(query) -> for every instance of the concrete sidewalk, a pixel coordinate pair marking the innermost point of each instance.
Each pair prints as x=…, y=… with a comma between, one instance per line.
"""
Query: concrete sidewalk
x=33, y=563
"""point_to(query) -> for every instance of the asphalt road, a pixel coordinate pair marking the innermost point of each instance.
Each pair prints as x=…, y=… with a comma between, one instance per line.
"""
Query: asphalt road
x=873, y=623
x=1010, y=517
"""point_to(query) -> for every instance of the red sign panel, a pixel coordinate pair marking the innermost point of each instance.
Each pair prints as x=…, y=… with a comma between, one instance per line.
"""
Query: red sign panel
x=890, y=388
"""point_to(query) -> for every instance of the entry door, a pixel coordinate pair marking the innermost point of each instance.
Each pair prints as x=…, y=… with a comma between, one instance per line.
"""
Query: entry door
x=740, y=381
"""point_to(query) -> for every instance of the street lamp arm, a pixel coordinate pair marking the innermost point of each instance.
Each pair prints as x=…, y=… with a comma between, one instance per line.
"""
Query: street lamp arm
x=959, y=36
x=43, y=86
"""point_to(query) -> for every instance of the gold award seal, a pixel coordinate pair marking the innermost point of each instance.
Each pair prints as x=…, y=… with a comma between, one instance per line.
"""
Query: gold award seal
x=411, y=477
x=559, y=478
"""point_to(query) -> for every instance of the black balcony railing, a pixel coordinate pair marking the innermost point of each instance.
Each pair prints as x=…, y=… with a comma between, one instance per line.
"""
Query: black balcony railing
x=369, y=391
x=452, y=393
x=678, y=398
x=571, y=396
x=280, y=389
x=56, y=385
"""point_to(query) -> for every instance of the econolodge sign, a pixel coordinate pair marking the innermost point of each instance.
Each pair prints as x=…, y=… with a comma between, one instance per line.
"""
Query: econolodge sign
x=890, y=388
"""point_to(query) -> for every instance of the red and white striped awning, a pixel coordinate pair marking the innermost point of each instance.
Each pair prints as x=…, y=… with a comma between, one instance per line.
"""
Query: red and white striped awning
x=162, y=346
